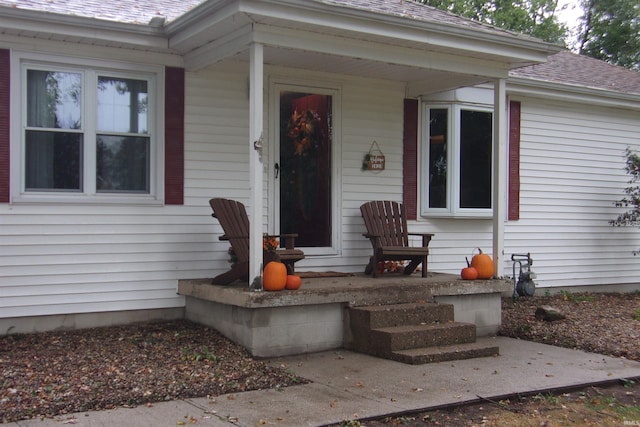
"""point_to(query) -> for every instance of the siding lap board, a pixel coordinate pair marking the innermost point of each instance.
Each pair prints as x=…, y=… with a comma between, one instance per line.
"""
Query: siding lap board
x=572, y=171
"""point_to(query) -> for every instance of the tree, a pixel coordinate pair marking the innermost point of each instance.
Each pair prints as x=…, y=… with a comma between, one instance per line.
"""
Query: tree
x=610, y=31
x=631, y=200
x=533, y=17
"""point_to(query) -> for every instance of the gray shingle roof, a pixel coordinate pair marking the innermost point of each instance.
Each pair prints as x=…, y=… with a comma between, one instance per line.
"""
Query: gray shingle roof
x=418, y=11
x=570, y=68
x=564, y=67
x=140, y=12
x=126, y=11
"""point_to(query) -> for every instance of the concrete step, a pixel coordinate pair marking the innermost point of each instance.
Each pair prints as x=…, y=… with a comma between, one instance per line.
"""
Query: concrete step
x=380, y=316
x=390, y=339
x=419, y=356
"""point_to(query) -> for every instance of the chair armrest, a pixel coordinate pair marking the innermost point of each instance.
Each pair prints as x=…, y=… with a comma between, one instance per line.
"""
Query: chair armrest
x=426, y=237
x=227, y=237
x=289, y=239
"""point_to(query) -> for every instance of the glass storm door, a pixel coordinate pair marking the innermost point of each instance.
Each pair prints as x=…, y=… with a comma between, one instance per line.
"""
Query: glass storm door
x=304, y=169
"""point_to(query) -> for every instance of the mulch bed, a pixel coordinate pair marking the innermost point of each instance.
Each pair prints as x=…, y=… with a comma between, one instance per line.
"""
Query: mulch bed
x=604, y=323
x=55, y=373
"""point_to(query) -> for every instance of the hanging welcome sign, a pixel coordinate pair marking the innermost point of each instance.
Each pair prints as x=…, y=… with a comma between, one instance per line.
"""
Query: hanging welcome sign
x=374, y=160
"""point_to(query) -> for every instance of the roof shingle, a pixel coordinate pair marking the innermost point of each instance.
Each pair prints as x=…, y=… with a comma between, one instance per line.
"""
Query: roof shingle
x=570, y=68
x=126, y=11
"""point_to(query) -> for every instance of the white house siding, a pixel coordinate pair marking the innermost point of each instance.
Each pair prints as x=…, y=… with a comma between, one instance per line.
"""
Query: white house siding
x=572, y=171
x=454, y=240
x=85, y=258
x=79, y=259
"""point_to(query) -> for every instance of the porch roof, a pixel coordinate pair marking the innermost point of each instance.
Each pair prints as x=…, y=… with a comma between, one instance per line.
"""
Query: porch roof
x=432, y=50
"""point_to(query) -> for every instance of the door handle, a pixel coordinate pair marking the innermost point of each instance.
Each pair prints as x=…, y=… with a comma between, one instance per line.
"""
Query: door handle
x=277, y=168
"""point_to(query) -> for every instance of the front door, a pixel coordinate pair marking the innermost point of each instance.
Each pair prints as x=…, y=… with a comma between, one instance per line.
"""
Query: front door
x=304, y=169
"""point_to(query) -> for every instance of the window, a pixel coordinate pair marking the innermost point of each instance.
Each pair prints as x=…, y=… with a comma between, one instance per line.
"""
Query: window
x=457, y=161
x=88, y=132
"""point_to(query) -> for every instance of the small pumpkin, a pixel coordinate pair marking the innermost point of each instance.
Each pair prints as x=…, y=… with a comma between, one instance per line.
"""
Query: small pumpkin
x=293, y=282
x=469, y=273
x=274, y=276
x=483, y=264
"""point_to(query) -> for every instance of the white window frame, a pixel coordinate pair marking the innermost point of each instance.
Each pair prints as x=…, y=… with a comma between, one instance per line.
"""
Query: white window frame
x=90, y=70
x=453, y=209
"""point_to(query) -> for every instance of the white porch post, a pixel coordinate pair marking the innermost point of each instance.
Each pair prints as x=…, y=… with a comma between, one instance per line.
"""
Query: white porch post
x=499, y=173
x=256, y=68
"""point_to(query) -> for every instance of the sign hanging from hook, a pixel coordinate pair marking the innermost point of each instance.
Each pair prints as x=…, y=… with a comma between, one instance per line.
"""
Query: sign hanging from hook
x=374, y=160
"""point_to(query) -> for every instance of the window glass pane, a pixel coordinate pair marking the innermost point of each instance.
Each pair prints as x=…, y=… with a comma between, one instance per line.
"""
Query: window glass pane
x=475, y=159
x=122, y=164
x=438, y=141
x=54, y=99
x=53, y=161
x=122, y=105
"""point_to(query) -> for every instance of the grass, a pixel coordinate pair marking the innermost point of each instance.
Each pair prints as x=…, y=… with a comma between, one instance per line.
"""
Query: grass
x=567, y=295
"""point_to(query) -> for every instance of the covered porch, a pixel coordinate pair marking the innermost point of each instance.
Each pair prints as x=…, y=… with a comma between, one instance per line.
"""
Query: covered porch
x=371, y=64
x=316, y=316
x=286, y=49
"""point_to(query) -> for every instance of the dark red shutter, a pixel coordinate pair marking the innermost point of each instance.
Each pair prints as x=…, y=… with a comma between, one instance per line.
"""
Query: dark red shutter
x=4, y=125
x=514, y=161
x=174, y=136
x=410, y=158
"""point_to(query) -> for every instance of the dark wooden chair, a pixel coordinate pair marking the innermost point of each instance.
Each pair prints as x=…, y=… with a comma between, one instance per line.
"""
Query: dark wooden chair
x=386, y=224
x=234, y=221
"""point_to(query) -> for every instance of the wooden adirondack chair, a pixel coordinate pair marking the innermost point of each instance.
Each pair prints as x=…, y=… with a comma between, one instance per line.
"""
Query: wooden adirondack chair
x=386, y=224
x=234, y=221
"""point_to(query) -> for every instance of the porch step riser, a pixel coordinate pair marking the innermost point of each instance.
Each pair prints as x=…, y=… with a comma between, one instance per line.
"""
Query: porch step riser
x=444, y=354
x=366, y=318
x=408, y=337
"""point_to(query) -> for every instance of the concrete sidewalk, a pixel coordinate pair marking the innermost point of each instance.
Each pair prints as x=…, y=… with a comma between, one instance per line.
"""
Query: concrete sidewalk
x=348, y=385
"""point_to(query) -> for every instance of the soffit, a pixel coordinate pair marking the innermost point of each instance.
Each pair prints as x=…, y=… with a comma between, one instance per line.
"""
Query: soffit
x=420, y=81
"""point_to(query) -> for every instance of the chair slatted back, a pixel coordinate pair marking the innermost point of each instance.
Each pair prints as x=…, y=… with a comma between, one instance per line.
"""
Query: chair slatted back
x=387, y=221
x=234, y=221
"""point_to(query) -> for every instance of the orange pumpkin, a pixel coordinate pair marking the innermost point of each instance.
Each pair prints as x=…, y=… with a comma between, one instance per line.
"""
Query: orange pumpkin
x=293, y=282
x=483, y=264
x=274, y=276
x=469, y=273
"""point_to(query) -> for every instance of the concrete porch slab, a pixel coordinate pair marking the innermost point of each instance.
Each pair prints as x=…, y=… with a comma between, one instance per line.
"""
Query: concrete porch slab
x=315, y=317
